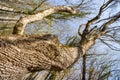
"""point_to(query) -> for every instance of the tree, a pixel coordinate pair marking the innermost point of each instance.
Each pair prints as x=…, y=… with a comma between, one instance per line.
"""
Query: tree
x=22, y=52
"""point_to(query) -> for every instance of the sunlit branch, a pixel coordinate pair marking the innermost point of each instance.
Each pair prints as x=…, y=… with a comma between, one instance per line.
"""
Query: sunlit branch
x=80, y=34
x=23, y=21
x=7, y=9
x=8, y=19
x=4, y=8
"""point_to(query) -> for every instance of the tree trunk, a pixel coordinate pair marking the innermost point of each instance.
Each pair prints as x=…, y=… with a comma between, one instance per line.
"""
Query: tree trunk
x=21, y=55
x=84, y=68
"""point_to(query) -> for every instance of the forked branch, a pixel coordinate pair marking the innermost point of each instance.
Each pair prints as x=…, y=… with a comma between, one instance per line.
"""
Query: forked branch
x=97, y=17
x=114, y=19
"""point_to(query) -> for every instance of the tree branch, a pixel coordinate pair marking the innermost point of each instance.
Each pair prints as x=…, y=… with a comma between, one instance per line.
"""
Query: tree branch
x=112, y=47
x=6, y=8
x=96, y=17
x=39, y=5
x=80, y=34
x=105, y=26
x=23, y=21
x=8, y=19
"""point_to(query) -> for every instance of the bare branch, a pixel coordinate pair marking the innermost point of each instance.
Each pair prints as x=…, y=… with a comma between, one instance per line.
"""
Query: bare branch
x=23, y=21
x=68, y=2
x=109, y=45
x=104, y=19
x=105, y=26
x=6, y=8
x=39, y=5
x=97, y=17
x=81, y=3
x=8, y=19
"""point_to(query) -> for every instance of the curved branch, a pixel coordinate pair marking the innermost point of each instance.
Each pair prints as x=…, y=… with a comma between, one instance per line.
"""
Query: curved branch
x=23, y=21
x=80, y=34
x=39, y=5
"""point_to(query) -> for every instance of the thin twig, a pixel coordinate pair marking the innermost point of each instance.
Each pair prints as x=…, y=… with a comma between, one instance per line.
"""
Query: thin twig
x=39, y=5
x=96, y=17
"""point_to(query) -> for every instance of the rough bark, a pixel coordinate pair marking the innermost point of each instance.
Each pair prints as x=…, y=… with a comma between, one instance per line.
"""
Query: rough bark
x=21, y=55
x=6, y=8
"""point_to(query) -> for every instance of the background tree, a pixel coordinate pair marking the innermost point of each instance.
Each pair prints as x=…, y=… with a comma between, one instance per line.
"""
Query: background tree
x=88, y=35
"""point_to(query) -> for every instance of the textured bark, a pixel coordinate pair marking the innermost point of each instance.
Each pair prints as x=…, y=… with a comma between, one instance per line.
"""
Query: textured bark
x=5, y=8
x=21, y=55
